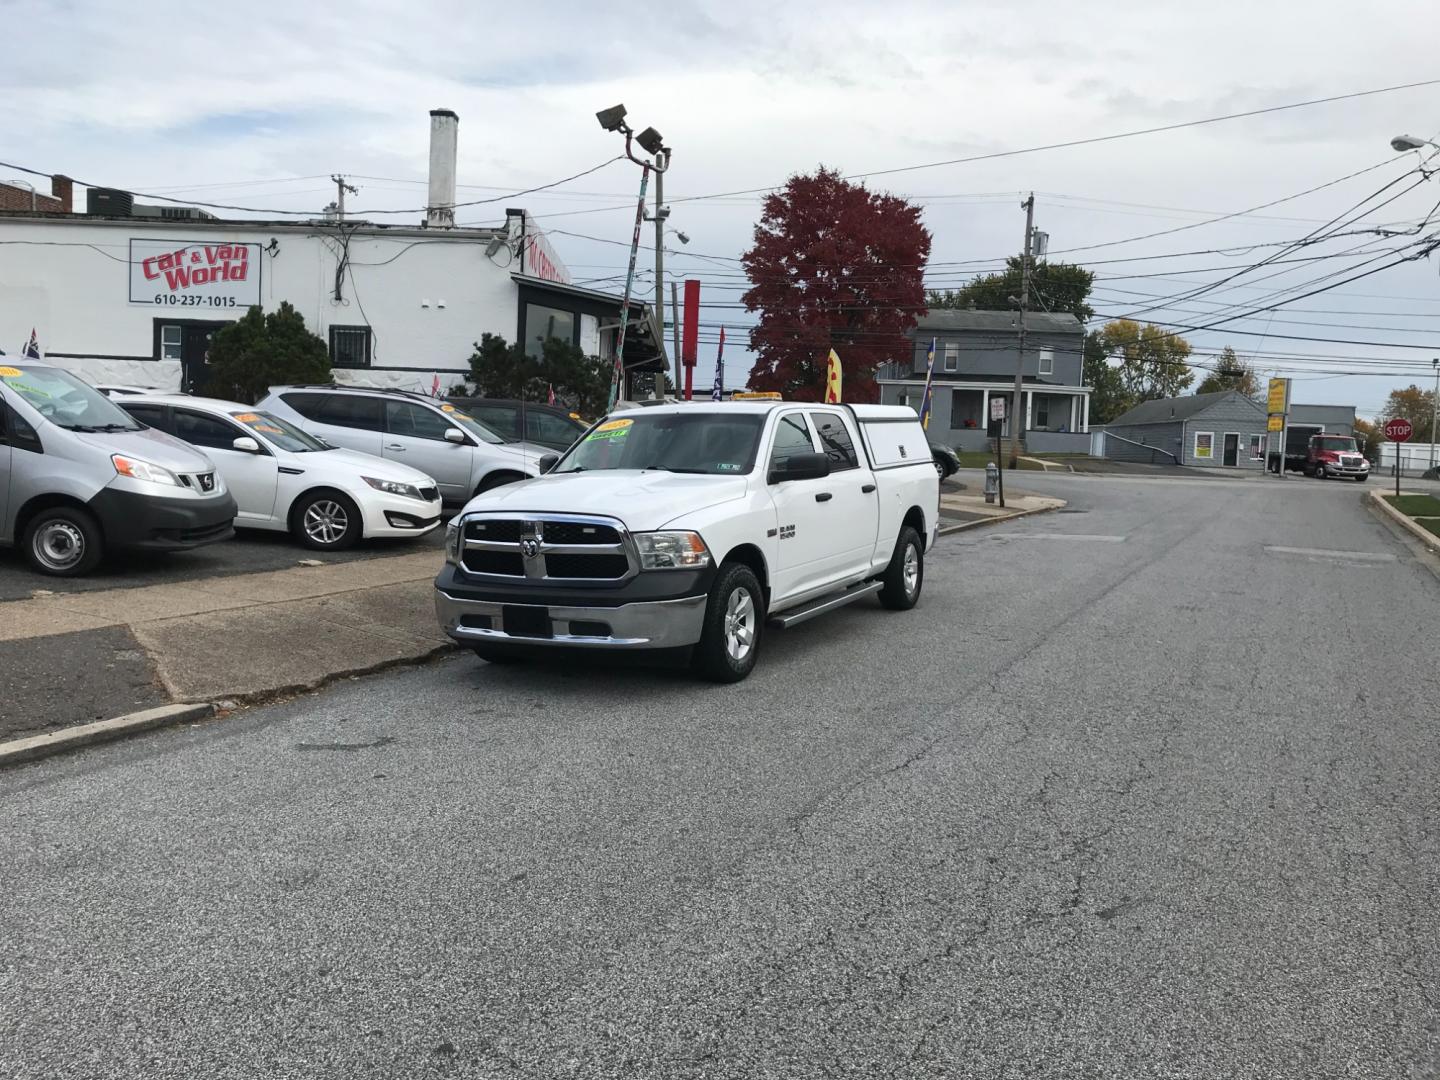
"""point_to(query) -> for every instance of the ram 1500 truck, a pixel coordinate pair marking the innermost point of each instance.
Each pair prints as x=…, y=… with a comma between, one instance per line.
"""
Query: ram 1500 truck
x=1335, y=455
x=694, y=526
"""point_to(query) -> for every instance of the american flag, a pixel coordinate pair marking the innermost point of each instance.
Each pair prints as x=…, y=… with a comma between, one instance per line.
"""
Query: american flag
x=717, y=392
x=32, y=349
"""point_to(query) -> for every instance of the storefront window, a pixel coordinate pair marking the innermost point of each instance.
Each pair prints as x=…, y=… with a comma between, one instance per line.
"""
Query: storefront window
x=169, y=343
x=543, y=322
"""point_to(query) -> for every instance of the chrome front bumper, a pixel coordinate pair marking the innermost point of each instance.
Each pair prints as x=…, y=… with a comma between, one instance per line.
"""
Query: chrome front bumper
x=658, y=624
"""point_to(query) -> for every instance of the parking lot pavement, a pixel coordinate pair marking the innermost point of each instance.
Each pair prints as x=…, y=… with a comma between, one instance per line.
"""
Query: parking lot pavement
x=251, y=551
x=1095, y=808
x=76, y=678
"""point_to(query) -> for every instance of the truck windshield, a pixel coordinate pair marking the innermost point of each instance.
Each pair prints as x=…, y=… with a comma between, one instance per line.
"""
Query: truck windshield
x=701, y=442
x=64, y=400
x=1336, y=443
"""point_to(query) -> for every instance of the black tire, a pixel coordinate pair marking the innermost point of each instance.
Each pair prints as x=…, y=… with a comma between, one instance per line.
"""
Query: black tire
x=1362, y=478
x=326, y=521
x=498, y=479
x=63, y=541
x=900, y=593
x=736, y=606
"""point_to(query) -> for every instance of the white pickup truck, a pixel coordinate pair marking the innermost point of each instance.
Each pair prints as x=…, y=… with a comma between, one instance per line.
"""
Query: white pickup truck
x=694, y=525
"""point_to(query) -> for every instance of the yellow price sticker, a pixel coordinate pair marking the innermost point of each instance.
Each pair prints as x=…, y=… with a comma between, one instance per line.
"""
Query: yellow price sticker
x=614, y=425
x=447, y=408
x=247, y=417
x=10, y=373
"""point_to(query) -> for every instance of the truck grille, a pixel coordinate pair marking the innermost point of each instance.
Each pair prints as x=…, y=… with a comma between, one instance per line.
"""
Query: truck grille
x=1349, y=461
x=547, y=547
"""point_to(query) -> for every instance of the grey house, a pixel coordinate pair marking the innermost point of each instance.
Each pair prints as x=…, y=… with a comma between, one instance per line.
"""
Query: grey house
x=975, y=354
x=1225, y=429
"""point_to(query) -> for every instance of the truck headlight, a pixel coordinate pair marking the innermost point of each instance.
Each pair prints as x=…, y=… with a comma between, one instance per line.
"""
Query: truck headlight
x=393, y=487
x=454, y=542
x=671, y=551
x=137, y=469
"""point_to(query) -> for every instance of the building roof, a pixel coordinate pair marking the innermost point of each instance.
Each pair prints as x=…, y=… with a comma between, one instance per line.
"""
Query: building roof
x=1042, y=322
x=1164, y=410
x=297, y=224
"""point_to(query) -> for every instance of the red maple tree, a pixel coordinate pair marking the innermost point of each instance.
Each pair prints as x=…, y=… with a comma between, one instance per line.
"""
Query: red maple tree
x=833, y=266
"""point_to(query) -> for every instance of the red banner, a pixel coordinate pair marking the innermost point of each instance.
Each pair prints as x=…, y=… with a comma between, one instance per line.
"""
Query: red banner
x=690, y=331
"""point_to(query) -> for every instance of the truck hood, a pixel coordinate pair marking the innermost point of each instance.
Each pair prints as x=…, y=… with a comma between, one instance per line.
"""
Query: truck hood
x=642, y=500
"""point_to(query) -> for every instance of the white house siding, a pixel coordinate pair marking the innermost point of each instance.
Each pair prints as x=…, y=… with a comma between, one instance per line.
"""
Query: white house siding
x=426, y=295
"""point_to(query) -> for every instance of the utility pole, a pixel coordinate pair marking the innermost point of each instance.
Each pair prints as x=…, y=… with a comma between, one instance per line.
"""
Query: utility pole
x=1434, y=410
x=661, y=213
x=1017, y=418
x=675, y=329
x=341, y=187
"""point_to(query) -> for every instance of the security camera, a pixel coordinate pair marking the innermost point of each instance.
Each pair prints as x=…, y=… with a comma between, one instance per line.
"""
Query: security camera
x=684, y=238
x=493, y=248
x=613, y=118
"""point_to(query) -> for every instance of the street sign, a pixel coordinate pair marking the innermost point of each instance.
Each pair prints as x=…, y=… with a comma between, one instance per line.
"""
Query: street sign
x=1399, y=429
x=997, y=408
x=1277, y=423
x=1279, y=398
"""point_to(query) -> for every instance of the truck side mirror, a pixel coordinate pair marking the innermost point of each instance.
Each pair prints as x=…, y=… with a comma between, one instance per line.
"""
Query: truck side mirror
x=803, y=466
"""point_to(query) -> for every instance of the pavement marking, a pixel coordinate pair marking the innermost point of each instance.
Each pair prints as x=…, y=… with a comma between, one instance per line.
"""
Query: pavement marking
x=1326, y=553
x=1084, y=538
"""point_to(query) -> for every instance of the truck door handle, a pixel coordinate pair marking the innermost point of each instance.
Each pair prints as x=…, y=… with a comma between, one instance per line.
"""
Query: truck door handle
x=867, y=488
x=393, y=446
x=824, y=496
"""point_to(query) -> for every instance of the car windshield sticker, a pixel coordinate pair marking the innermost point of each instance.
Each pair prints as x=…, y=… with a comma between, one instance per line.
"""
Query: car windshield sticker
x=10, y=373
x=247, y=417
x=611, y=429
x=447, y=408
x=726, y=466
x=267, y=429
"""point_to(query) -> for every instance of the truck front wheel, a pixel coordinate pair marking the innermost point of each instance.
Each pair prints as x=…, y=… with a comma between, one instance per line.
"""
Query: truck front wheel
x=734, y=614
x=905, y=575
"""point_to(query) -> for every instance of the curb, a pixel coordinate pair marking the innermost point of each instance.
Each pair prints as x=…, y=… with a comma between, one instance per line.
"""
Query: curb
x=1425, y=536
x=36, y=747
x=946, y=530
x=284, y=693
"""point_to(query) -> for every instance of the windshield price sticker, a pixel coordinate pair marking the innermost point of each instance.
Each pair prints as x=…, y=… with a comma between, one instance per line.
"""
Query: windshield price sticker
x=267, y=429
x=447, y=408
x=247, y=417
x=10, y=373
x=611, y=429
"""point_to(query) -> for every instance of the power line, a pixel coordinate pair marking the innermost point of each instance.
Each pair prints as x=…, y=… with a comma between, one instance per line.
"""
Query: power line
x=311, y=213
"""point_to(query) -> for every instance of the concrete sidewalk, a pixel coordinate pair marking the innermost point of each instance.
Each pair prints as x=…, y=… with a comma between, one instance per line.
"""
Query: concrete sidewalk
x=250, y=636
x=960, y=511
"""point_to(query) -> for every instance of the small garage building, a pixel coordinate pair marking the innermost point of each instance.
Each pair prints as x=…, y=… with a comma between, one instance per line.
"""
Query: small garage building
x=1221, y=430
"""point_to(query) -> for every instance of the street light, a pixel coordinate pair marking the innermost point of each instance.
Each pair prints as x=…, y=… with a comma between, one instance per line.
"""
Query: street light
x=1410, y=142
x=653, y=143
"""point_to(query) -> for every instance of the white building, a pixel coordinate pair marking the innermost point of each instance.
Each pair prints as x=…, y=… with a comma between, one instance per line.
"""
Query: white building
x=125, y=298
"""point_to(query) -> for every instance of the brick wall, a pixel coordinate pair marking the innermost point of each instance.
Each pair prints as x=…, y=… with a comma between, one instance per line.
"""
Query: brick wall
x=60, y=200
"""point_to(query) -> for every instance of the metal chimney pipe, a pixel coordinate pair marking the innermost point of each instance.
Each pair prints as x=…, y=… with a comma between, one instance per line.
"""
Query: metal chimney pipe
x=444, y=126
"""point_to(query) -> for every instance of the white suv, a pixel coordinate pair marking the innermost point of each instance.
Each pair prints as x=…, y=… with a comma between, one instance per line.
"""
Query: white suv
x=463, y=455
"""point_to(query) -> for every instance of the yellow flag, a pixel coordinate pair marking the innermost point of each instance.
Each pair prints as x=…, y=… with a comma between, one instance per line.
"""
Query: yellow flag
x=832, y=380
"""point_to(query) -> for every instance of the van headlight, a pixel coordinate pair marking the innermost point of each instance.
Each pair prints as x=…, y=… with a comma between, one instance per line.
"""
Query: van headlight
x=454, y=541
x=136, y=469
x=671, y=551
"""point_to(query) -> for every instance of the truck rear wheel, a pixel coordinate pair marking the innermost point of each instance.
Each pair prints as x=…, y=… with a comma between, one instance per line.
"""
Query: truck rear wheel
x=734, y=615
x=905, y=576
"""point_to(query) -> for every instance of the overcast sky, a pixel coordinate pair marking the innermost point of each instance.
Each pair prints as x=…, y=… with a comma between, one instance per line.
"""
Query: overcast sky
x=208, y=101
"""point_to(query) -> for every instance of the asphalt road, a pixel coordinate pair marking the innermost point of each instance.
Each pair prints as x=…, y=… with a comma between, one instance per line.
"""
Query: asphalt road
x=249, y=552
x=1142, y=789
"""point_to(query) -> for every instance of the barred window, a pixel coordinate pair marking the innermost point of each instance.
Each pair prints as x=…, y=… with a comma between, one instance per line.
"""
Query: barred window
x=350, y=346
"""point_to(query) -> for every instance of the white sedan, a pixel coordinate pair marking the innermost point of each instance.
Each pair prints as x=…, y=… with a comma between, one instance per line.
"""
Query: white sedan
x=287, y=480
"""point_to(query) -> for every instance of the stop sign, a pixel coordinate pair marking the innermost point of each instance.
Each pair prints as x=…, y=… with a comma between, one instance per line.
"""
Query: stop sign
x=1398, y=429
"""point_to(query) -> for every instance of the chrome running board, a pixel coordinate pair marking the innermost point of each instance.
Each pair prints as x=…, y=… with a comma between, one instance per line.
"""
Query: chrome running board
x=829, y=603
